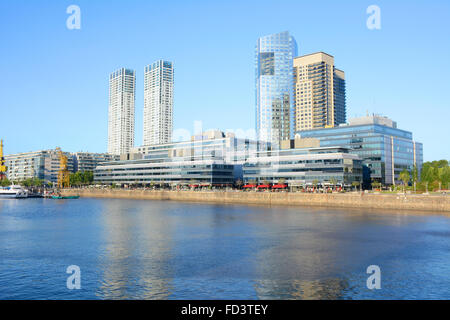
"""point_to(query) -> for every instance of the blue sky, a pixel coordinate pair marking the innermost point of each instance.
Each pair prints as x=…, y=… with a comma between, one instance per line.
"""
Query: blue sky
x=54, y=84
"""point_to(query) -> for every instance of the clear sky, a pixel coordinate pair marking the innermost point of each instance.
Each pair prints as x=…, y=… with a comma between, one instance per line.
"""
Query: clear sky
x=54, y=83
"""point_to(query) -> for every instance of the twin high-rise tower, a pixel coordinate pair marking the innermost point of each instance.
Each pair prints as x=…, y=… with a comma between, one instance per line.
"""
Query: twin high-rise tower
x=158, y=106
x=292, y=94
x=122, y=91
x=158, y=103
x=295, y=93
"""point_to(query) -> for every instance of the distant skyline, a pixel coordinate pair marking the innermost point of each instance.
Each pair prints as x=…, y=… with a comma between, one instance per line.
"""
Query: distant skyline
x=55, y=80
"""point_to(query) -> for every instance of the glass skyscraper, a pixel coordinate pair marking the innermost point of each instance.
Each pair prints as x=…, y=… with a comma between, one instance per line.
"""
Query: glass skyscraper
x=274, y=87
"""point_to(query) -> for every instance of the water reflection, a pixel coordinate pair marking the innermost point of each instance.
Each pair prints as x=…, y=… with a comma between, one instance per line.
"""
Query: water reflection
x=138, y=248
x=168, y=250
x=328, y=289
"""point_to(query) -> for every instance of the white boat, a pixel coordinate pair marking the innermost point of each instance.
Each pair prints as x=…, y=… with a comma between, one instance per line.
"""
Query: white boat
x=13, y=192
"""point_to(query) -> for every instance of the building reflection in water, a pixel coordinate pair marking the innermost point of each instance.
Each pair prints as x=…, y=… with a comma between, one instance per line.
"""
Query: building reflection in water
x=319, y=255
x=135, y=263
x=327, y=289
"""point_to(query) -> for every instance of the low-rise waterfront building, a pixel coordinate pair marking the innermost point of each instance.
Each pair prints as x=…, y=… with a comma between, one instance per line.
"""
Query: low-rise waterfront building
x=303, y=167
x=87, y=161
x=43, y=164
x=215, y=158
x=210, y=158
x=384, y=149
x=148, y=171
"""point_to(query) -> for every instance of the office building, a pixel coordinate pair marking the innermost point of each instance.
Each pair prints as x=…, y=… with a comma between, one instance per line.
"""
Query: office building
x=158, y=102
x=274, y=87
x=319, y=90
x=384, y=149
x=122, y=90
x=87, y=161
x=303, y=167
x=211, y=158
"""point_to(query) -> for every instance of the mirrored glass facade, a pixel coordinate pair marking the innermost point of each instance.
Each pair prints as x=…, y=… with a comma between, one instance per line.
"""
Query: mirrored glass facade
x=214, y=162
x=385, y=150
x=274, y=87
x=303, y=167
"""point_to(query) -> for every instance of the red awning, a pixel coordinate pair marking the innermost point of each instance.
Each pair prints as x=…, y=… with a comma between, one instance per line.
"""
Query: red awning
x=193, y=185
x=263, y=186
x=249, y=186
x=279, y=186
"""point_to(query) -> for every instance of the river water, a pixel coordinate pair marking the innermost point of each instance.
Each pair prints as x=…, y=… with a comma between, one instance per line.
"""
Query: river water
x=140, y=249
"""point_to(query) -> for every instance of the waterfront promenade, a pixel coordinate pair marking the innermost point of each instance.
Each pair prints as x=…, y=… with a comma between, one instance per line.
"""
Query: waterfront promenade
x=431, y=203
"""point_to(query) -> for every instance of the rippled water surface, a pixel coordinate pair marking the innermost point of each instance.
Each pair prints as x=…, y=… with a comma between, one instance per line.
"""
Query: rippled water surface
x=138, y=249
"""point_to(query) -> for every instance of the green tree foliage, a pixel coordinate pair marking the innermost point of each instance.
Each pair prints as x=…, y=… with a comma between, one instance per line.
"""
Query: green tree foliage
x=81, y=178
x=32, y=182
x=405, y=177
x=5, y=183
x=376, y=184
x=436, y=173
x=355, y=184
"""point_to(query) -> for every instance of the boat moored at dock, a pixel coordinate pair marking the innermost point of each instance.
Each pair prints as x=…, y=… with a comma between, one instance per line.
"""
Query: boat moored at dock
x=65, y=197
x=13, y=192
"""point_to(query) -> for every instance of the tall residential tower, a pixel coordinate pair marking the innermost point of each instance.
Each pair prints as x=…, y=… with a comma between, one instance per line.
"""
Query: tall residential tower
x=158, y=103
x=319, y=92
x=274, y=87
x=122, y=90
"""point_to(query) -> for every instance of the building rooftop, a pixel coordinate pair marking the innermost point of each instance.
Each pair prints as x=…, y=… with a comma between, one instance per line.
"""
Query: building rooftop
x=372, y=119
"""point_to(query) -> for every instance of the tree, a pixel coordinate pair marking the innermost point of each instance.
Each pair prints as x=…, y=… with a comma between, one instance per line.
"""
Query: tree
x=81, y=178
x=436, y=174
x=5, y=183
x=376, y=184
x=405, y=177
x=88, y=177
x=32, y=182
x=355, y=184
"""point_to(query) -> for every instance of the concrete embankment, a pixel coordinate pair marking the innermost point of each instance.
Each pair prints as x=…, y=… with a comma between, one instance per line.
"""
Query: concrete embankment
x=436, y=203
